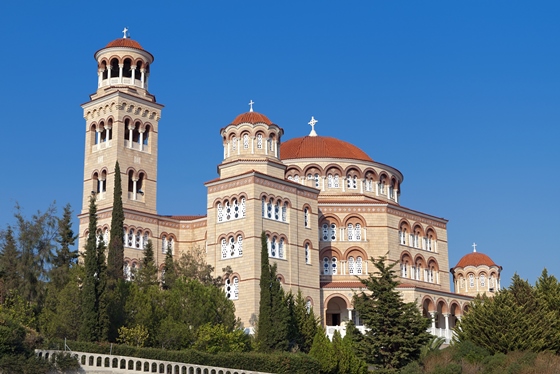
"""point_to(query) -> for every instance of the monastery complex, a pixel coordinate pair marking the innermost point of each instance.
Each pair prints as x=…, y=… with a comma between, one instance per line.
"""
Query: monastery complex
x=325, y=205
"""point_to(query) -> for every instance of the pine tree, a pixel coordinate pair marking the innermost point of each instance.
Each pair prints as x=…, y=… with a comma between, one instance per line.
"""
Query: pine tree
x=322, y=350
x=10, y=277
x=115, y=258
x=169, y=274
x=64, y=257
x=147, y=274
x=346, y=360
x=274, y=316
x=396, y=331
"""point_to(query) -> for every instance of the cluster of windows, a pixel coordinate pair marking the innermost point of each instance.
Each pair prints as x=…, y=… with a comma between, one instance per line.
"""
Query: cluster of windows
x=136, y=185
x=484, y=282
x=231, y=288
x=102, y=235
x=228, y=211
x=352, y=182
x=99, y=184
x=136, y=135
x=275, y=210
x=232, y=247
x=418, y=272
x=355, y=266
x=275, y=246
x=330, y=265
x=129, y=270
x=333, y=181
x=235, y=145
x=135, y=238
x=167, y=243
x=102, y=134
x=416, y=239
x=353, y=232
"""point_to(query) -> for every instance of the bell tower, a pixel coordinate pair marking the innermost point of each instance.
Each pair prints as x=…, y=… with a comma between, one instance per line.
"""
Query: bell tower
x=122, y=123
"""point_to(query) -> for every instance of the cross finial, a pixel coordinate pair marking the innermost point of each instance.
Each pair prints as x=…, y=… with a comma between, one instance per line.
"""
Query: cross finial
x=251, y=105
x=125, y=33
x=312, y=123
x=474, y=247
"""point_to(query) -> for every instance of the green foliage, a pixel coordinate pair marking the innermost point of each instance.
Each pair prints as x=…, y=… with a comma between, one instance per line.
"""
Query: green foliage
x=10, y=256
x=115, y=257
x=19, y=310
x=218, y=339
x=169, y=275
x=66, y=362
x=147, y=275
x=135, y=336
x=346, y=360
x=64, y=257
x=518, y=318
x=396, y=330
x=322, y=350
x=303, y=323
x=273, y=330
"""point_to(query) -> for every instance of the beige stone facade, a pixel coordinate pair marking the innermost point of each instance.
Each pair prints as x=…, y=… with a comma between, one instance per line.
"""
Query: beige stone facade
x=325, y=206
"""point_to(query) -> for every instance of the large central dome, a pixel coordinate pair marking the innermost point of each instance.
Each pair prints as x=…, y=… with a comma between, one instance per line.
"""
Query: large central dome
x=321, y=147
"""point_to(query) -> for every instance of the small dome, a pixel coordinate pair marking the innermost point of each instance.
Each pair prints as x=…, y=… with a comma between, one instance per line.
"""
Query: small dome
x=125, y=42
x=475, y=259
x=252, y=118
x=321, y=147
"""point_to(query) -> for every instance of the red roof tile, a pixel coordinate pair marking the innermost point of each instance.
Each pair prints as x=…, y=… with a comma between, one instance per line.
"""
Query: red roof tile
x=122, y=42
x=321, y=147
x=186, y=218
x=475, y=259
x=342, y=285
x=252, y=118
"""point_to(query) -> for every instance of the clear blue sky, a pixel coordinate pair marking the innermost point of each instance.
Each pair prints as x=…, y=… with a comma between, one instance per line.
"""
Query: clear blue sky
x=462, y=97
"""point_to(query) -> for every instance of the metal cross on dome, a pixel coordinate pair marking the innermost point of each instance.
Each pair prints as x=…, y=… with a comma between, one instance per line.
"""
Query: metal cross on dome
x=251, y=105
x=312, y=123
x=474, y=247
x=124, y=33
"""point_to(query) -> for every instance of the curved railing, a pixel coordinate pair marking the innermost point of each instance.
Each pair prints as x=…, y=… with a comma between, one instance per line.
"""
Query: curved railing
x=101, y=363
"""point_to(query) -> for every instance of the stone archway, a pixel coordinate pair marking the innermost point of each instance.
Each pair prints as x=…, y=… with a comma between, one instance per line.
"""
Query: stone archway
x=337, y=311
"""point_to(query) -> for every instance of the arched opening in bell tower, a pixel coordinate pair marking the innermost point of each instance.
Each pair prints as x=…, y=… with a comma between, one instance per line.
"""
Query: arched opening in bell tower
x=127, y=71
x=114, y=68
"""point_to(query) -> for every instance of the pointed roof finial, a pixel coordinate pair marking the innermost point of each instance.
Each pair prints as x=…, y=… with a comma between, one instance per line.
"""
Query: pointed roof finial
x=312, y=123
x=251, y=105
x=474, y=247
x=125, y=33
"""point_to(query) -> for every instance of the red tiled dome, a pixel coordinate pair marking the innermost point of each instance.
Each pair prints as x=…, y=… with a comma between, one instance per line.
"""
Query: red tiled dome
x=125, y=42
x=475, y=259
x=252, y=118
x=321, y=147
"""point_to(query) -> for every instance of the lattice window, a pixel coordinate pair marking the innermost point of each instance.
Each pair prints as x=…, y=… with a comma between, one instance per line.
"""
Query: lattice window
x=325, y=229
x=234, y=143
x=220, y=213
x=127, y=271
x=224, y=248
x=146, y=238
x=263, y=206
x=245, y=141
x=358, y=232
x=482, y=280
x=369, y=185
x=330, y=181
x=332, y=232
x=236, y=213
x=336, y=181
x=138, y=239
x=130, y=239
x=359, y=265
x=350, y=265
x=259, y=141
x=106, y=237
x=334, y=266
x=352, y=182
x=269, y=208
x=277, y=210
x=272, y=250
x=307, y=254
x=306, y=217
x=281, y=248
x=232, y=288
x=239, y=245
x=232, y=247
x=316, y=180
x=285, y=212
x=242, y=207
x=350, y=232
x=227, y=210
x=296, y=178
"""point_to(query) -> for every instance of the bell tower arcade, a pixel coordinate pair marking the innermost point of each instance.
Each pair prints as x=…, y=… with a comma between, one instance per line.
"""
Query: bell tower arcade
x=121, y=125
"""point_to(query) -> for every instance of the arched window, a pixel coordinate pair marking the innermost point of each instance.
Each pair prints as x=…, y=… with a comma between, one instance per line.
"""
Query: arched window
x=392, y=190
x=358, y=232
x=307, y=254
x=382, y=185
x=306, y=217
x=106, y=237
x=351, y=265
x=232, y=247
x=275, y=247
x=245, y=141
x=269, y=208
x=232, y=288
x=127, y=271
x=352, y=182
x=139, y=237
x=471, y=280
x=329, y=266
x=234, y=143
x=404, y=269
x=145, y=241
x=281, y=248
x=296, y=178
x=259, y=141
x=482, y=280
x=329, y=232
x=369, y=184
x=359, y=265
x=402, y=235
x=220, y=212
x=330, y=181
x=316, y=180
x=277, y=210
x=285, y=212
x=417, y=270
x=130, y=238
x=308, y=306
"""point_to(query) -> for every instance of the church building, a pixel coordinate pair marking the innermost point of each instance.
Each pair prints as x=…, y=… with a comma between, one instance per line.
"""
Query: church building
x=325, y=206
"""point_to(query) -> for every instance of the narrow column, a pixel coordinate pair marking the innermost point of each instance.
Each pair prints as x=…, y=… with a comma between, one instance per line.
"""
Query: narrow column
x=108, y=135
x=143, y=77
x=134, y=189
x=343, y=183
x=252, y=145
x=109, y=68
x=376, y=189
x=120, y=72
x=361, y=186
x=132, y=77
x=130, y=136
x=323, y=187
x=396, y=196
x=99, y=77
x=447, y=334
x=433, y=315
x=141, y=140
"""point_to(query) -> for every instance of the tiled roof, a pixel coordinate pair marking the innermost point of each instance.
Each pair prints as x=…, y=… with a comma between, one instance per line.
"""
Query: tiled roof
x=187, y=218
x=252, y=118
x=475, y=259
x=122, y=42
x=342, y=285
x=321, y=147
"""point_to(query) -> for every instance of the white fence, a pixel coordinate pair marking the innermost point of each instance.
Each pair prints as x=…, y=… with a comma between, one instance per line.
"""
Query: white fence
x=95, y=363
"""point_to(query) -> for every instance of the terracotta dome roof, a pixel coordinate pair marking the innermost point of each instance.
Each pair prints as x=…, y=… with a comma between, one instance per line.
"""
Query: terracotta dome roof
x=475, y=259
x=251, y=117
x=321, y=147
x=125, y=42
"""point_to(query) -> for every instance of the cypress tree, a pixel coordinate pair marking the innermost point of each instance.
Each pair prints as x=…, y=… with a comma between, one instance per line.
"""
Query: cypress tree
x=115, y=258
x=396, y=331
x=89, y=329
x=322, y=350
x=147, y=274
x=169, y=275
x=264, y=325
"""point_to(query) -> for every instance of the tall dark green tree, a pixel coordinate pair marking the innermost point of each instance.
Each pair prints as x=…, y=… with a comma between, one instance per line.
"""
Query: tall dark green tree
x=94, y=299
x=64, y=257
x=115, y=257
x=147, y=274
x=396, y=331
x=273, y=329
x=169, y=274
x=10, y=276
